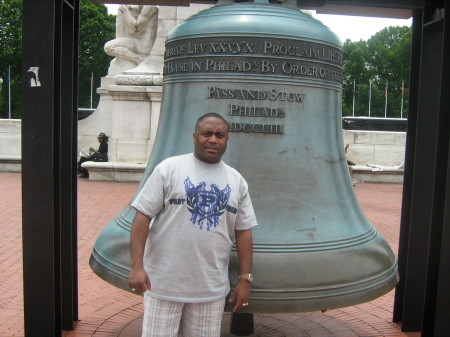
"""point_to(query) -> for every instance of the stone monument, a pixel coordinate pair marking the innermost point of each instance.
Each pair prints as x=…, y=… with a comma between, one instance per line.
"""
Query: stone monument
x=130, y=94
x=136, y=28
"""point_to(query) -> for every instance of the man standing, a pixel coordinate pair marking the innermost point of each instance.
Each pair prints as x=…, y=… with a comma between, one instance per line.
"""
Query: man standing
x=198, y=205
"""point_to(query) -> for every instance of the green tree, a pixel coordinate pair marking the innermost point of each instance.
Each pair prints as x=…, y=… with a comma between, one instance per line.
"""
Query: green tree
x=382, y=60
x=10, y=55
x=390, y=52
x=355, y=73
x=96, y=28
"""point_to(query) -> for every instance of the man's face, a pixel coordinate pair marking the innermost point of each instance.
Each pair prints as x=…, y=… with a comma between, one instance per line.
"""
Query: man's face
x=210, y=140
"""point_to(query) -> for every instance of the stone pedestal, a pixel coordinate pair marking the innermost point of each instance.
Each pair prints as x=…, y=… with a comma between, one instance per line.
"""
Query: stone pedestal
x=114, y=171
x=10, y=145
x=375, y=147
x=129, y=116
x=128, y=111
x=134, y=121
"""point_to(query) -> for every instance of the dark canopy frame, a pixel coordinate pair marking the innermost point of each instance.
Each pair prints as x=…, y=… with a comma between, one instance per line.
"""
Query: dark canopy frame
x=49, y=143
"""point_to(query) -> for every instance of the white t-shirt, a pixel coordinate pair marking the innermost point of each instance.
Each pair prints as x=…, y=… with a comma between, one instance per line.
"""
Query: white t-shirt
x=195, y=209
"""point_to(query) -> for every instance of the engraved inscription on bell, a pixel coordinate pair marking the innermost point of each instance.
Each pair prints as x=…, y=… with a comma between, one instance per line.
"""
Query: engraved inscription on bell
x=255, y=56
x=285, y=57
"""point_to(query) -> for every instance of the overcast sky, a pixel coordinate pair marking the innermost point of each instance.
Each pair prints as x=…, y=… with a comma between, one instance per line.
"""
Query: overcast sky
x=358, y=28
x=354, y=28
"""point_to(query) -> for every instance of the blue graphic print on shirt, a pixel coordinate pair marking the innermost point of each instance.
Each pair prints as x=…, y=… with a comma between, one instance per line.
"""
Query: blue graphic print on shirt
x=206, y=206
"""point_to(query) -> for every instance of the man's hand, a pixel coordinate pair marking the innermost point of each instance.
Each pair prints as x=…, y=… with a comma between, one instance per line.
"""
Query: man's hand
x=139, y=281
x=241, y=293
x=244, y=247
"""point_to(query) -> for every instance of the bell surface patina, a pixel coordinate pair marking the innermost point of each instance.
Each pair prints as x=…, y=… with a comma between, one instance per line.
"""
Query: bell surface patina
x=275, y=74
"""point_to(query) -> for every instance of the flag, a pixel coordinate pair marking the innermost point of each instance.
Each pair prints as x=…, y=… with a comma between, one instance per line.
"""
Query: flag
x=354, y=97
x=386, y=100
x=403, y=99
x=92, y=86
x=370, y=96
x=9, y=91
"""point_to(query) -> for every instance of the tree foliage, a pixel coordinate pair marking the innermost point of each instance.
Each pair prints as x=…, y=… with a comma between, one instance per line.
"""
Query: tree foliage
x=96, y=28
x=370, y=67
x=10, y=55
x=383, y=59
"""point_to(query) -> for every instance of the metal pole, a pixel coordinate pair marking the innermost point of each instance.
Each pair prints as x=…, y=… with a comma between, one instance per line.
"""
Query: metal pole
x=429, y=181
x=49, y=186
x=403, y=94
x=9, y=92
x=370, y=96
x=386, y=100
x=354, y=96
x=92, y=85
x=408, y=179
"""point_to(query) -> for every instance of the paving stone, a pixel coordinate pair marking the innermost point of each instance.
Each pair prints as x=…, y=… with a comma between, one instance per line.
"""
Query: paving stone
x=105, y=310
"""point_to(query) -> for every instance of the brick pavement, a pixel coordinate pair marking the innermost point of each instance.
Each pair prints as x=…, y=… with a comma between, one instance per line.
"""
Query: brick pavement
x=107, y=311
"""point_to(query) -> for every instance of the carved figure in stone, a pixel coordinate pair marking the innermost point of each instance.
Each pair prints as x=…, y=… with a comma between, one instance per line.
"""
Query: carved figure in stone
x=136, y=28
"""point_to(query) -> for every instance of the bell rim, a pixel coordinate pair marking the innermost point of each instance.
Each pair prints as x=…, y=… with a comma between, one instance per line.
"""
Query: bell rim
x=239, y=11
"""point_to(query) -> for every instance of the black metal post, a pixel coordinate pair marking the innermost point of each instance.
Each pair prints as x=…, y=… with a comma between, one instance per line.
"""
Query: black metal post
x=48, y=184
x=409, y=164
x=75, y=42
x=437, y=274
x=241, y=324
x=68, y=146
x=441, y=324
x=428, y=190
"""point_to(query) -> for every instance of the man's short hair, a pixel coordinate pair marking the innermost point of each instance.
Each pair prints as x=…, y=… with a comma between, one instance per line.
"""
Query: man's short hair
x=210, y=114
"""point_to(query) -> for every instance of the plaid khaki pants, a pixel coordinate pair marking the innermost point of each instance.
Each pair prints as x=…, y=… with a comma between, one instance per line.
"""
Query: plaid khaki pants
x=175, y=319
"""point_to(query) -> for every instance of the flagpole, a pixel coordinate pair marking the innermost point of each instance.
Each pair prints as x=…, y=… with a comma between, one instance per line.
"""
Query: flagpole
x=370, y=95
x=354, y=95
x=92, y=85
x=403, y=96
x=385, y=104
x=9, y=92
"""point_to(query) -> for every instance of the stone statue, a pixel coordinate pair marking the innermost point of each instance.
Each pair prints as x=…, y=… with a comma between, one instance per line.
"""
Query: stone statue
x=136, y=28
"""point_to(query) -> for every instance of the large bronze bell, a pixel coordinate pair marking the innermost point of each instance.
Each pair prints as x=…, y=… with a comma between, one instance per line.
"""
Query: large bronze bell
x=274, y=73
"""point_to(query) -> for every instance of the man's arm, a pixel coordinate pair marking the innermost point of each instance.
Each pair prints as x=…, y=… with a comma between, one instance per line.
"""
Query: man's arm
x=138, y=279
x=244, y=245
x=147, y=13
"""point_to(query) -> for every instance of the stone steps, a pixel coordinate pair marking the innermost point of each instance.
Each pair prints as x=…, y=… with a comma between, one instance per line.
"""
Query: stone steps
x=121, y=171
x=114, y=171
x=377, y=173
x=10, y=163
